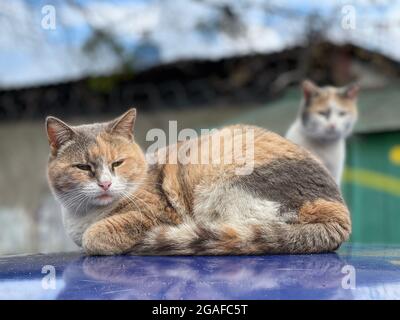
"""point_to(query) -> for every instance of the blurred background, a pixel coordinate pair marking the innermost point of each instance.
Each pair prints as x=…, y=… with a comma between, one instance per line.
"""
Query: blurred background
x=204, y=63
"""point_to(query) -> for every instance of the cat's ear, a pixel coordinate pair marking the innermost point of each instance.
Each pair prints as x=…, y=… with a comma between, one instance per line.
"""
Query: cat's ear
x=58, y=133
x=124, y=124
x=351, y=91
x=310, y=89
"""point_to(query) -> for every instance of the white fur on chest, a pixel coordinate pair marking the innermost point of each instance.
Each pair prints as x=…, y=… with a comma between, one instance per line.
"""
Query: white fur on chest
x=76, y=224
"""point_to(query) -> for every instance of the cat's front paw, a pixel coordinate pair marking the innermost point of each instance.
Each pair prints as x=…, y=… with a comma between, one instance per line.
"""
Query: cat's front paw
x=97, y=240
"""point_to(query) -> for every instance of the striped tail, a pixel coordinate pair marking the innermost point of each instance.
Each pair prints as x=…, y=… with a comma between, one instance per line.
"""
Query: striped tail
x=318, y=232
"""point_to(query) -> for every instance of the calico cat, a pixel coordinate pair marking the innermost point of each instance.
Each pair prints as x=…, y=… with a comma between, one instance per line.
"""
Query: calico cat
x=115, y=202
x=326, y=118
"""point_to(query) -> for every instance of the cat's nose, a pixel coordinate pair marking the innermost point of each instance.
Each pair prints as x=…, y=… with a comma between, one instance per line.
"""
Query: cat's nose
x=105, y=185
x=332, y=127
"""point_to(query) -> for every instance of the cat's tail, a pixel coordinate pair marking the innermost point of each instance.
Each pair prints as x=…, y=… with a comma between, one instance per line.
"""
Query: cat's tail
x=322, y=227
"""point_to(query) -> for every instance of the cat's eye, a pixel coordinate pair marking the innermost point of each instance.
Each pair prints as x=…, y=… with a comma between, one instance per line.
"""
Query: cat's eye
x=324, y=113
x=84, y=167
x=116, y=164
x=342, y=113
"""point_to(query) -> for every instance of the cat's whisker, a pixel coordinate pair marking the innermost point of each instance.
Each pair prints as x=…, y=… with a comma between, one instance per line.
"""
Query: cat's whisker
x=144, y=203
x=73, y=203
x=134, y=203
x=133, y=198
x=67, y=201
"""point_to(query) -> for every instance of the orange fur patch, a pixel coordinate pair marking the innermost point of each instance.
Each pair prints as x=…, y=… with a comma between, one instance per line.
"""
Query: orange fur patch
x=323, y=211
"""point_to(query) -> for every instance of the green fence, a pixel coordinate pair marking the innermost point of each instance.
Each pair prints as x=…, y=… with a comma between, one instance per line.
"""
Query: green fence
x=371, y=187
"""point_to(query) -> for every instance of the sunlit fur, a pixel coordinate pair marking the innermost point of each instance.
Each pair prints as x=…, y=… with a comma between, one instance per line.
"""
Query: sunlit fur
x=326, y=118
x=288, y=203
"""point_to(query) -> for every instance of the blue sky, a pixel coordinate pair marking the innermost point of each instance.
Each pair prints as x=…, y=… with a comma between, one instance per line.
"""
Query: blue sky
x=30, y=55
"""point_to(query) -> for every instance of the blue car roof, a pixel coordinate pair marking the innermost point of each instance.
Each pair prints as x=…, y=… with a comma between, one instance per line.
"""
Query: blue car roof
x=354, y=272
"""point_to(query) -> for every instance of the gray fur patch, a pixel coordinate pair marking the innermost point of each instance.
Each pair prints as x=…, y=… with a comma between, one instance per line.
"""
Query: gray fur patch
x=291, y=183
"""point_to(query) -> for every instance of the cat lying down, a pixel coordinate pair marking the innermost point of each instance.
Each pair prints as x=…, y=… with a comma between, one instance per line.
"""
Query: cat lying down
x=277, y=198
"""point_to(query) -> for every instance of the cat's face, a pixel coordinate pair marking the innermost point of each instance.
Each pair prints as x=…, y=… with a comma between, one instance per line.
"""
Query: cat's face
x=328, y=113
x=94, y=165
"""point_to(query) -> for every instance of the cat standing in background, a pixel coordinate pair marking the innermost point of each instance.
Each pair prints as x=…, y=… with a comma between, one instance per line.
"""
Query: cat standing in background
x=326, y=118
